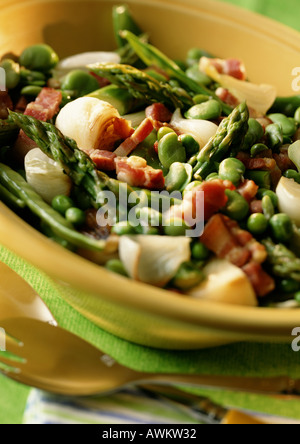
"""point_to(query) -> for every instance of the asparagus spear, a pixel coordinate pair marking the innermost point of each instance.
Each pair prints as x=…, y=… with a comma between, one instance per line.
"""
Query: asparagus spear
x=231, y=133
x=141, y=86
x=122, y=19
x=283, y=262
x=154, y=57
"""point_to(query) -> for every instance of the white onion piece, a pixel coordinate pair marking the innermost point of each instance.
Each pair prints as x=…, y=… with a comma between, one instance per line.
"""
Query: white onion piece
x=201, y=130
x=288, y=192
x=80, y=61
x=46, y=176
x=153, y=259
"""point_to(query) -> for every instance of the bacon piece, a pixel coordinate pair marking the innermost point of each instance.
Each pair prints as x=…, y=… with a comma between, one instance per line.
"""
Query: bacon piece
x=262, y=283
x=282, y=159
x=259, y=163
x=101, y=80
x=227, y=97
x=104, y=160
x=256, y=206
x=137, y=173
x=5, y=104
x=159, y=112
x=234, y=68
x=139, y=135
x=248, y=189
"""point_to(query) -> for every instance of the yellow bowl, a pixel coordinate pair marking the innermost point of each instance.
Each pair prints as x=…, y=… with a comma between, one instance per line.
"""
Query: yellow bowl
x=133, y=311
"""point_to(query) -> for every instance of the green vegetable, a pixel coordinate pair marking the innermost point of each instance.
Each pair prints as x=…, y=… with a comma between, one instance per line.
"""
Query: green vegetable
x=292, y=174
x=230, y=134
x=116, y=266
x=191, y=186
x=254, y=134
x=297, y=297
x=191, y=145
x=212, y=176
x=194, y=55
x=179, y=176
x=210, y=110
x=281, y=227
x=274, y=135
x=39, y=57
x=294, y=154
x=187, y=277
x=237, y=207
x=123, y=228
x=62, y=203
x=119, y=98
x=11, y=199
x=12, y=71
x=261, y=178
x=80, y=83
x=32, y=78
x=123, y=20
x=195, y=74
x=232, y=169
x=171, y=150
x=75, y=216
x=257, y=224
x=15, y=183
x=297, y=116
x=200, y=98
x=149, y=217
x=163, y=132
x=288, y=126
x=200, y=252
x=151, y=56
x=286, y=105
x=31, y=90
x=8, y=133
x=282, y=262
x=289, y=286
x=268, y=207
x=273, y=196
x=141, y=86
x=175, y=227
x=257, y=149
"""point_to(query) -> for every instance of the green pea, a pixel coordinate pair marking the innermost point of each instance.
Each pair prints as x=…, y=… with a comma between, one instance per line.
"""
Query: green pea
x=257, y=149
x=288, y=126
x=210, y=110
x=80, y=82
x=297, y=116
x=292, y=174
x=163, y=132
x=273, y=196
x=191, y=186
x=62, y=203
x=289, y=286
x=187, y=277
x=268, y=207
x=200, y=252
x=190, y=144
x=232, y=169
x=123, y=228
x=171, y=150
x=281, y=227
x=200, y=98
x=198, y=76
x=76, y=216
x=179, y=176
x=212, y=176
x=237, y=207
x=116, y=266
x=175, y=227
x=257, y=224
x=39, y=57
x=31, y=90
x=12, y=72
x=274, y=134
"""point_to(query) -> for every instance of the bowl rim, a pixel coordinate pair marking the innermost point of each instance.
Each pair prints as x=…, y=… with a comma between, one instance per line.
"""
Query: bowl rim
x=73, y=270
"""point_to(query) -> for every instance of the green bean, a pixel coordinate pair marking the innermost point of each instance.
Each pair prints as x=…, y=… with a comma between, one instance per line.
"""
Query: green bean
x=274, y=135
x=200, y=252
x=10, y=199
x=210, y=110
x=119, y=98
x=233, y=170
x=292, y=174
x=39, y=57
x=195, y=74
x=258, y=148
x=257, y=224
x=123, y=20
x=116, y=266
x=286, y=105
x=273, y=196
x=281, y=227
x=191, y=145
x=254, y=134
x=201, y=98
x=261, y=178
x=268, y=207
x=187, y=277
x=175, y=227
x=237, y=207
x=12, y=71
x=30, y=90
x=171, y=150
x=59, y=225
x=288, y=126
x=179, y=176
x=80, y=82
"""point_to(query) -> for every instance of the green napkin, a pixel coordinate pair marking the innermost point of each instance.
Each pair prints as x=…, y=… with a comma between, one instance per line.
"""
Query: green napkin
x=242, y=359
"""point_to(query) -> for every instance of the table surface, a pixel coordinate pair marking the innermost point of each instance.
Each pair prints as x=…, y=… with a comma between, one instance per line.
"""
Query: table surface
x=13, y=396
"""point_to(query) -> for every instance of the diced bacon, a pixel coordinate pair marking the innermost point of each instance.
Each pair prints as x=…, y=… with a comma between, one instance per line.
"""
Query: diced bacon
x=155, y=146
x=262, y=283
x=104, y=160
x=248, y=189
x=101, y=80
x=227, y=97
x=234, y=68
x=259, y=163
x=46, y=105
x=256, y=206
x=135, y=172
x=139, y=135
x=159, y=112
x=282, y=159
x=264, y=121
x=5, y=104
